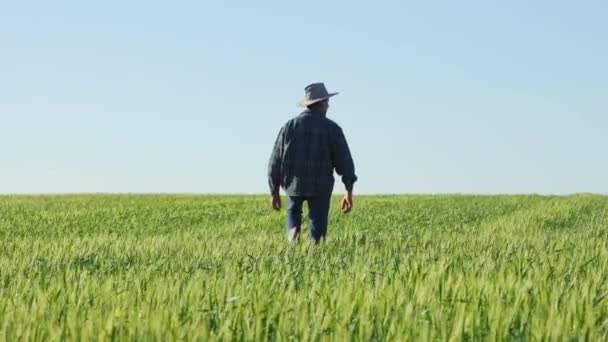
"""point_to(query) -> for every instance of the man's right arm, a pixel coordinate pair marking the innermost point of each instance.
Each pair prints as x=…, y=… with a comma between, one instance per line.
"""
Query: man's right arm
x=342, y=159
x=345, y=167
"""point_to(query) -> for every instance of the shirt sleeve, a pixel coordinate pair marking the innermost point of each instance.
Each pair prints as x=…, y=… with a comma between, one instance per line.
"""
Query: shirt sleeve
x=342, y=159
x=274, y=165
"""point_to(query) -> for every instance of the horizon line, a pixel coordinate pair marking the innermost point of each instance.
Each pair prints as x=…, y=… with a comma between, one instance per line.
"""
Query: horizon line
x=283, y=194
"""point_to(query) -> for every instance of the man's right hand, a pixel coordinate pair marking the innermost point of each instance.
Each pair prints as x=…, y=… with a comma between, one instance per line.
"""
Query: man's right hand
x=347, y=203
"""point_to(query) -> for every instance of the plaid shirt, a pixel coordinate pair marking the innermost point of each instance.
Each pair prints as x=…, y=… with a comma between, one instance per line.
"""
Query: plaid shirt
x=307, y=150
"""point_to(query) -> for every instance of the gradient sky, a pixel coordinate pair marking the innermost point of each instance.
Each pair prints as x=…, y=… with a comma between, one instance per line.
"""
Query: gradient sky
x=187, y=97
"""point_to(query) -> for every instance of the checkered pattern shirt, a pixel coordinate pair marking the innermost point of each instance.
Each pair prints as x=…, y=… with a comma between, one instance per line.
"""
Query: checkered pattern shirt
x=307, y=150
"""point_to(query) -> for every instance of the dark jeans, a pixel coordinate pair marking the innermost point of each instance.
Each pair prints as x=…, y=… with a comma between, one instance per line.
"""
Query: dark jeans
x=318, y=211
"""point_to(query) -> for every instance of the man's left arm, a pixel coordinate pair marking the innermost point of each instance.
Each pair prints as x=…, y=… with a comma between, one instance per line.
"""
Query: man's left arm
x=274, y=170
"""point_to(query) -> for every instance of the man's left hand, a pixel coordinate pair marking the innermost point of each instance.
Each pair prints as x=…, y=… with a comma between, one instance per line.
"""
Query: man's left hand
x=275, y=202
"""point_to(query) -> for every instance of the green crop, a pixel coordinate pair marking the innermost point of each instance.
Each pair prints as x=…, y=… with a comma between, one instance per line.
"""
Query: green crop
x=419, y=268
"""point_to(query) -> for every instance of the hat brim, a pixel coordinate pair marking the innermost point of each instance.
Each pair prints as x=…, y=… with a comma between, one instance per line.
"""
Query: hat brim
x=306, y=103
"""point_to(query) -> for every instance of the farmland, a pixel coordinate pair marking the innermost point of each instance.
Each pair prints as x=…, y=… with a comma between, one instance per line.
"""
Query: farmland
x=167, y=267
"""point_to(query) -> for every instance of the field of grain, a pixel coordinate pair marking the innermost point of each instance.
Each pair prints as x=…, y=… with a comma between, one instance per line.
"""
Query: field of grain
x=163, y=267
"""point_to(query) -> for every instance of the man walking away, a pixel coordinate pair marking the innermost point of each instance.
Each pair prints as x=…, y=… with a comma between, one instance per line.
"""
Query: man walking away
x=307, y=150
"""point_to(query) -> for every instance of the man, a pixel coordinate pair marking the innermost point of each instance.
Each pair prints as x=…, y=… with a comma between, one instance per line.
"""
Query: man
x=307, y=150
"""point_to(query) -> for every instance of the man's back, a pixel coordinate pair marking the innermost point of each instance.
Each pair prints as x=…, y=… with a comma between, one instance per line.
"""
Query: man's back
x=307, y=150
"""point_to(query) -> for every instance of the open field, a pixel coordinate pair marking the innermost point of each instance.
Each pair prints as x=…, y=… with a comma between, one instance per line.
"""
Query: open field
x=398, y=267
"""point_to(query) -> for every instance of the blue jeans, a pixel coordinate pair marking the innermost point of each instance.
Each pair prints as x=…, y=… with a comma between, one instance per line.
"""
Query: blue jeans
x=318, y=211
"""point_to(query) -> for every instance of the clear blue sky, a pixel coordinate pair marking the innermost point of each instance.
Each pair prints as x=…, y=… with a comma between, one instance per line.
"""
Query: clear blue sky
x=175, y=96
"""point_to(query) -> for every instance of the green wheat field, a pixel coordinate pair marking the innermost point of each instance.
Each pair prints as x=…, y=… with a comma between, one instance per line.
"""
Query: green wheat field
x=403, y=268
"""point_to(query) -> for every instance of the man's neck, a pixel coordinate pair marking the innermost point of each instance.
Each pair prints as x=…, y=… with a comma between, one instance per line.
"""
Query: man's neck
x=316, y=112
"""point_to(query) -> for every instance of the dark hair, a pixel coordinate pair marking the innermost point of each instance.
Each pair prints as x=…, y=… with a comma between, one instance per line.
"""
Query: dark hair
x=317, y=105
